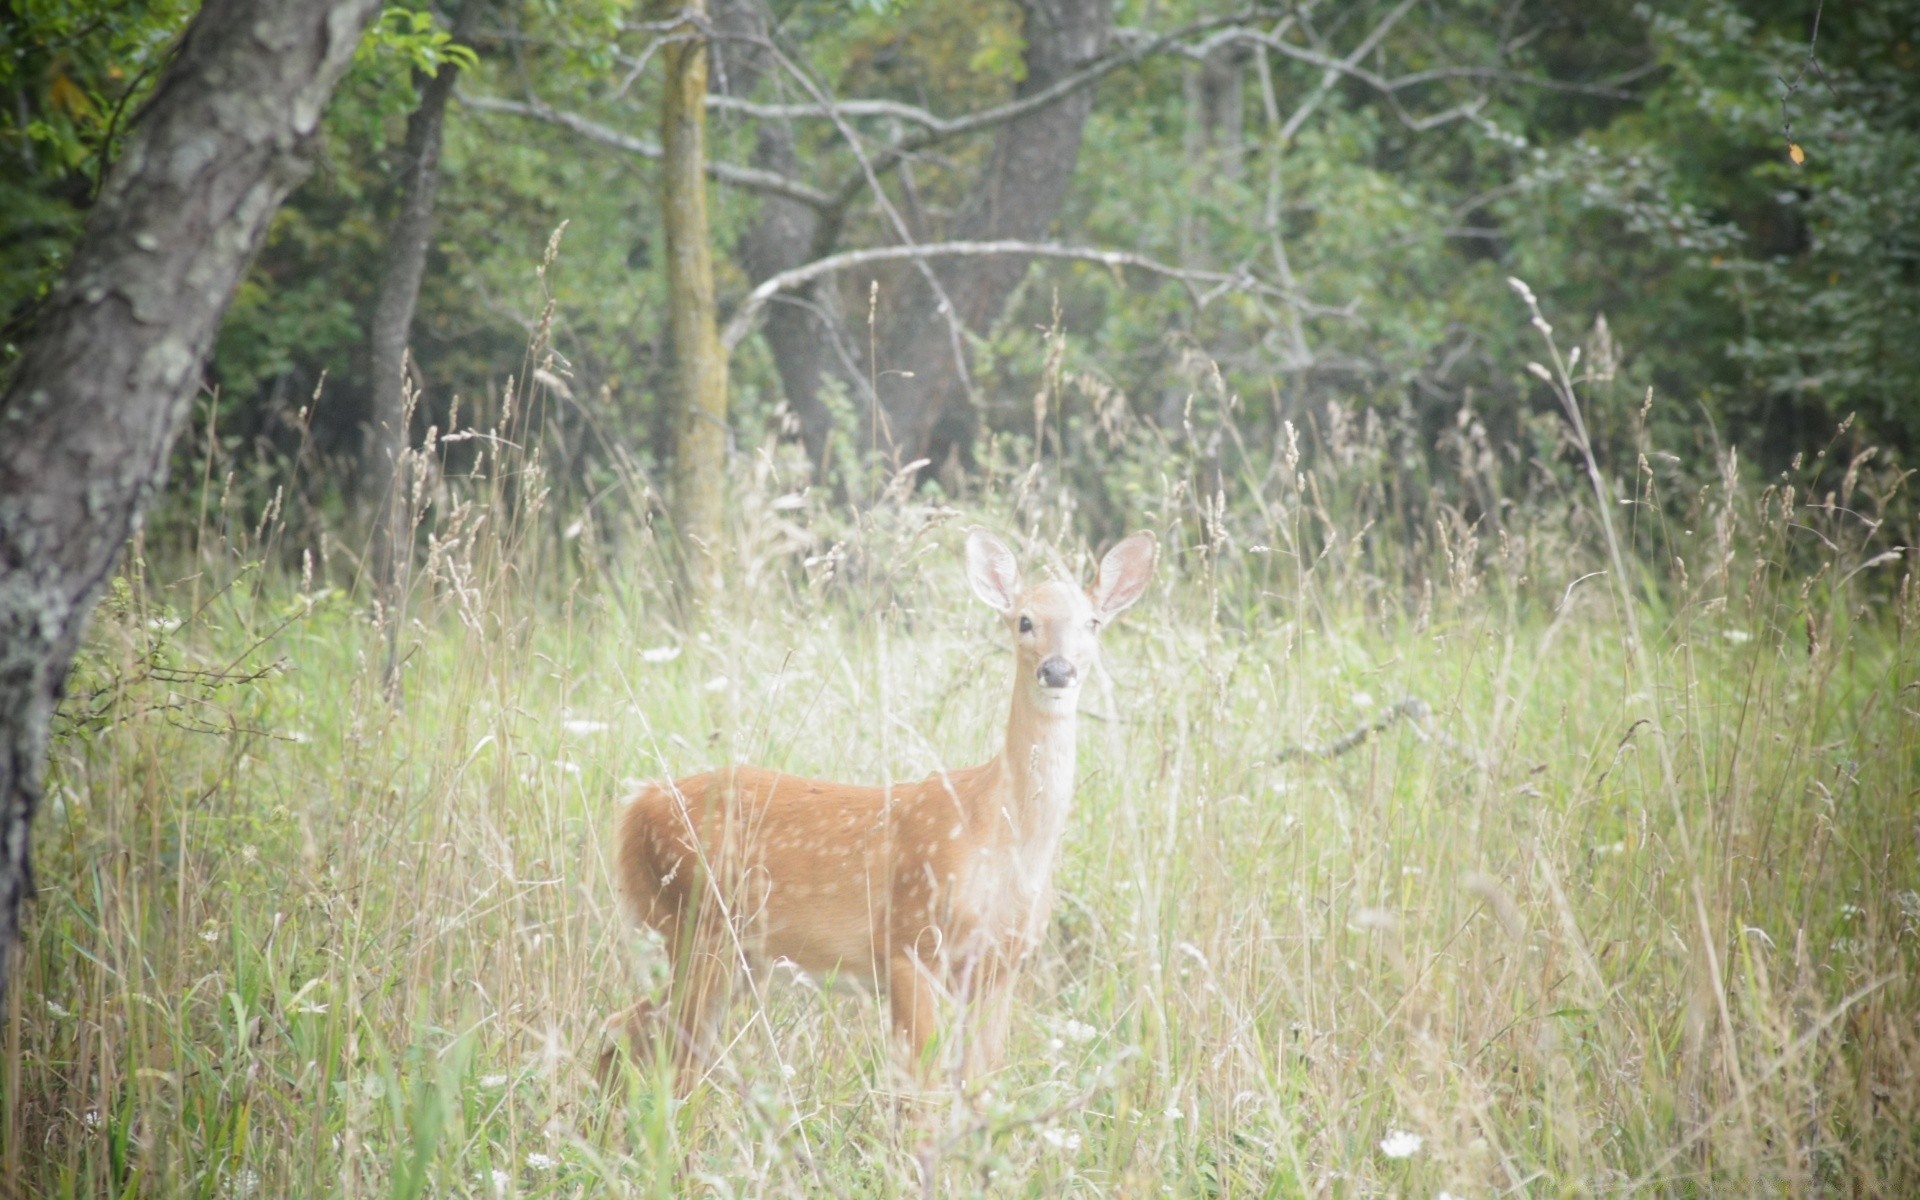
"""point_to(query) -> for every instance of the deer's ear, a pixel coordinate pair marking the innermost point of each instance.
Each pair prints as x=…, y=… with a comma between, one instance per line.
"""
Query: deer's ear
x=992, y=571
x=1123, y=575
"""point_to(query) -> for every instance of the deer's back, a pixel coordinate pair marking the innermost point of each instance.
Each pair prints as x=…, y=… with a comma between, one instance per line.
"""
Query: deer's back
x=827, y=875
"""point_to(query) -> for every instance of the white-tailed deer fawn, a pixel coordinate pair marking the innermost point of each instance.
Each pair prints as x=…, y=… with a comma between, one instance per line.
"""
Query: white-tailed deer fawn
x=935, y=891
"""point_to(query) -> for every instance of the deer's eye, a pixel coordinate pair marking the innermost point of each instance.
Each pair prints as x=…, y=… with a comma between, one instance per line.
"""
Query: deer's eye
x=1026, y=624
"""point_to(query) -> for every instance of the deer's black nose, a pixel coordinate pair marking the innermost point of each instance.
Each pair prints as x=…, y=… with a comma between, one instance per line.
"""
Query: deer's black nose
x=1057, y=672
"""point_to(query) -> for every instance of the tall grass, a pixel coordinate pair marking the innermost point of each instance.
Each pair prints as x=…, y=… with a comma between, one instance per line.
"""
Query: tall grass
x=325, y=905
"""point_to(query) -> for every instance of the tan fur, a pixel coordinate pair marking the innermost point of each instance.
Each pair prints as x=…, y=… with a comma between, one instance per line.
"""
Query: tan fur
x=930, y=891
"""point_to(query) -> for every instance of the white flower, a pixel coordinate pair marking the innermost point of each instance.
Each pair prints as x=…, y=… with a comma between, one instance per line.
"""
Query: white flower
x=568, y=767
x=1400, y=1144
x=243, y=1183
x=719, y=683
x=493, y=1081
x=1446, y=1195
x=210, y=934
x=1174, y=1113
x=660, y=654
x=1065, y=1139
x=500, y=1180
x=537, y=1161
x=1363, y=700
x=1079, y=1031
x=1738, y=637
x=581, y=728
x=57, y=1011
x=91, y=1118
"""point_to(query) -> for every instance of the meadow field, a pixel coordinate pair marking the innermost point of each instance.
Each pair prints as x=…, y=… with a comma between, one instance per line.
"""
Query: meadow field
x=1623, y=903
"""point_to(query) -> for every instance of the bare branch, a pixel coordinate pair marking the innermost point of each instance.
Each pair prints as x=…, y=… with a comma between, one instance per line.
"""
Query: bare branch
x=846, y=108
x=743, y=318
x=732, y=174
x=938, y=128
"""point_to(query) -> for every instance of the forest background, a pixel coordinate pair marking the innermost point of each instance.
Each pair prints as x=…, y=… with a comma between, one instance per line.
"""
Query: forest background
x=1736, y=203
x=1507, y=786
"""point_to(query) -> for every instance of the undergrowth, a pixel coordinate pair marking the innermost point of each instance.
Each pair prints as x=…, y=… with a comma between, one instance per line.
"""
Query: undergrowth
x=325, y=906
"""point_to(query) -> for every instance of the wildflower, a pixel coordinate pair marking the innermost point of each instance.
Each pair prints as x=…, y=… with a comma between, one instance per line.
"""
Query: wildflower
x=1064, y=1139
x=1079, y=1031
x=660, y=654
x=57, y=1011
x=1174, y=1113
x=1375, y=918
x=500, y=1180
x=537, y=1161
x=493, y=1081
x=1400, y=1144
x=580, y=728
x=719, y=683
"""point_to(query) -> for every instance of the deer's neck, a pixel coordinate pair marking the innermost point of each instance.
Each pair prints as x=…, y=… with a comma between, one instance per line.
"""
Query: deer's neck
x=1038, y=765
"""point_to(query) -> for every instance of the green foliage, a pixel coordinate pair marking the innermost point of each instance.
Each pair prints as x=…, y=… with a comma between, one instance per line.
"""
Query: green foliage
x=411, y=36
x=72, y=76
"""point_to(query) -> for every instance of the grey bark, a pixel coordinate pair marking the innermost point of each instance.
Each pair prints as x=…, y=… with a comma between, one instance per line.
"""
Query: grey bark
x=931, y=413
x=803, y=330
x=381, y=487
x=103, y=384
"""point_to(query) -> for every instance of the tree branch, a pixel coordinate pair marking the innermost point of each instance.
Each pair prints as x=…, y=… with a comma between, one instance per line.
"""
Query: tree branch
x=744, y=317
x=732, y=174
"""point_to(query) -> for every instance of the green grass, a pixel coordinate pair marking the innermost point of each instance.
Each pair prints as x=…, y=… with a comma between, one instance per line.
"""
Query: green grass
x=1612, y=922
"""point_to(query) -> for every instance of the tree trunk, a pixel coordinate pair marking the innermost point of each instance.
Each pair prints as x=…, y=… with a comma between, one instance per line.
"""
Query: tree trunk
x=700, y=362
x=930, y=413
x=803, y=331
x=382, y=490
x=104, y=382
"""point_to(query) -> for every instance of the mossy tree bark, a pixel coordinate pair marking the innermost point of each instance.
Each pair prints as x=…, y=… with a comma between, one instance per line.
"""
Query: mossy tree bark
x=700, y=361
x=104, y=380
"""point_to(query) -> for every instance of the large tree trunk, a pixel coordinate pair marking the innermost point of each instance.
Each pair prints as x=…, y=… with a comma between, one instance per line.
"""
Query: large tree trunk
x=104, y=382
x=382, y=490
x=930, y=412
x=803, y=329
x=699, y=360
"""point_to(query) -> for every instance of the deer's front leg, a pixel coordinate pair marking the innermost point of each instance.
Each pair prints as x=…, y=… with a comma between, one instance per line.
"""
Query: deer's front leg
x=913, y=1002
x=989, y=1012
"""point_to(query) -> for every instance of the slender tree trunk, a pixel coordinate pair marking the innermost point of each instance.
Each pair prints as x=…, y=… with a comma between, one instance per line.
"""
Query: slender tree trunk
x=700, y=362
x=105, y=379
x=382, y=489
